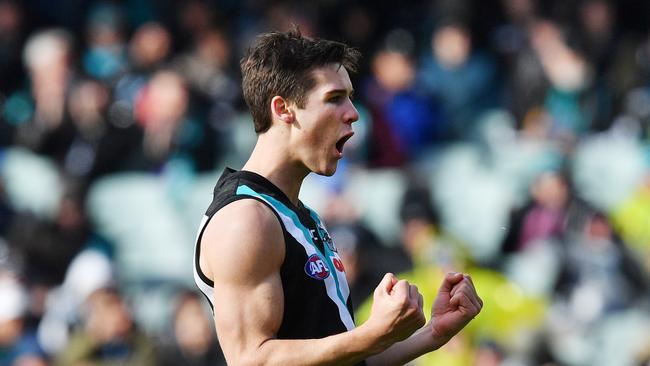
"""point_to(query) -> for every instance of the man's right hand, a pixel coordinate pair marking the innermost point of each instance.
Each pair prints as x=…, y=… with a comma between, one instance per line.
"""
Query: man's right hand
x=396, y=311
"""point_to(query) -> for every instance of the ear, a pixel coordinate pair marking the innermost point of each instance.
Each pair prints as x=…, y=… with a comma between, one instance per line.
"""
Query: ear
x=280, y=109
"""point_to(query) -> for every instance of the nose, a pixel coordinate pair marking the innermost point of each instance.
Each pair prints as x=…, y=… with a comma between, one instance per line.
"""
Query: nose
x=352, y=115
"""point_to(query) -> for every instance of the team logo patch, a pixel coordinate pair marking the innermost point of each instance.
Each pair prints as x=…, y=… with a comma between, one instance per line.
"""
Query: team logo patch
x=326, y=237
x=321, y=235
x=316, y=268
x=338, y=264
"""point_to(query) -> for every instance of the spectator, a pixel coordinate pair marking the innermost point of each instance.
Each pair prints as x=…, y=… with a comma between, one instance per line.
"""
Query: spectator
x=108, y=335
x=208, y=71
x=463, y=78
x=46, y=248
x=169, y=129
x=104, y=87
x=101, y=144
x=599, y=267
x=12, y=28
x=149, y=50
x=45, y=128
x=405, y=122
x=569, y=74
x=544, y=218
x=18, y=344
x=105, y=56
x=193, y=342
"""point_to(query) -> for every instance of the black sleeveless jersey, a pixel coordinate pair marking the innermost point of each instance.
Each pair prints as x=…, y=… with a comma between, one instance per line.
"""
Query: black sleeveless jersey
x=316, y=294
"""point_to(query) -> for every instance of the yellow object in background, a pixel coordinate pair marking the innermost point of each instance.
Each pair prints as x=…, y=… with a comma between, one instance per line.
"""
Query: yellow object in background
x=507, y=314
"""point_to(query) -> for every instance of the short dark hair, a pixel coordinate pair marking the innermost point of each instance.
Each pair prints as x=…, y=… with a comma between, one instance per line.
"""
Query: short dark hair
x=281, y=63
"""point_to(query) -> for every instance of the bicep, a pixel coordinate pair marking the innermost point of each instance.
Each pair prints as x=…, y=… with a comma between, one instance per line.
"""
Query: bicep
x=247, y=315
x=244, y=250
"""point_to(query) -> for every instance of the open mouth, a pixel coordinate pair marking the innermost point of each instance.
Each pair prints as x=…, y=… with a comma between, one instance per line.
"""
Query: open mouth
x=342, y=141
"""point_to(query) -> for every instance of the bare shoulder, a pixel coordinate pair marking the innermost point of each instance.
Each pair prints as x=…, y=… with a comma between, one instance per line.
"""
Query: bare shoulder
x=243, y=238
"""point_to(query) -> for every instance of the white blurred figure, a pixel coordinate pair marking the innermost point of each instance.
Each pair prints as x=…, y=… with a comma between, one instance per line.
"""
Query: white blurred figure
x=47, y=57
x=90, y=270
x=19, y=346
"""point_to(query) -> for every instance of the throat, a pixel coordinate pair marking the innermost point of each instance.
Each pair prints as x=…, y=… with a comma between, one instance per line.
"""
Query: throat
x=288, y=181
x=272, y=160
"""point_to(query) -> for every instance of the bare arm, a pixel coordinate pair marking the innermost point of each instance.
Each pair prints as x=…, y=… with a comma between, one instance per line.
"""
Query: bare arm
x=242, y=252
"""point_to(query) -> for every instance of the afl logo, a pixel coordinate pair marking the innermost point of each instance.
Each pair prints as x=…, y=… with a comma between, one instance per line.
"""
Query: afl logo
x=316, y=268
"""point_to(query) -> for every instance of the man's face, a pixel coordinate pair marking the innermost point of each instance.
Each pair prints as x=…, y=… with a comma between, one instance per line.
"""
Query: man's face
x=324, y=124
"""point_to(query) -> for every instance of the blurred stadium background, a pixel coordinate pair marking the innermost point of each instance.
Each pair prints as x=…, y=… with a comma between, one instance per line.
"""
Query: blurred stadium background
x=506, y=138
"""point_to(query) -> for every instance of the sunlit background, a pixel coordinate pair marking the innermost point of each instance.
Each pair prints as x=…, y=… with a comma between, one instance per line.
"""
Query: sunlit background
x=508, y=139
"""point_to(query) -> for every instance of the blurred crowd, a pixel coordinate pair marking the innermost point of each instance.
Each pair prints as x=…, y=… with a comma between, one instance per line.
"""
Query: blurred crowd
x=508, y=138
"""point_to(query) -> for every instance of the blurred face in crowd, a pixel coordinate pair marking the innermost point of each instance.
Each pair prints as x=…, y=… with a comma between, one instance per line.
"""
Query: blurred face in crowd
x=596, y=17
x=451, y=46
x=194, y=16
x=87, y=103
x=324, y=124
x=393, y=70
x=30, y=360
x=108, y=317
x=11, y=19
x=192, y=327
x=150, y=44
x=598, y=228
x=47, y=58
x=551, y=191
x=10, y=330
x=519, y=9
x=164, y=101
x=416, y=236
x=488, y=355
x=213, y=48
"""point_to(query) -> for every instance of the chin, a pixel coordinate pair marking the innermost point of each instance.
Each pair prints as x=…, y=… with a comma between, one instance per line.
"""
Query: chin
x=326, y=171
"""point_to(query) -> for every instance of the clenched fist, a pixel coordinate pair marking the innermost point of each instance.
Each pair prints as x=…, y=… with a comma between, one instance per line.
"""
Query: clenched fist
x=396, y=311
x=456, y=304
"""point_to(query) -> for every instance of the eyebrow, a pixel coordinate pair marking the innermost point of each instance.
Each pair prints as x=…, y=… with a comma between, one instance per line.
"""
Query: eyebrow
x=339, y=91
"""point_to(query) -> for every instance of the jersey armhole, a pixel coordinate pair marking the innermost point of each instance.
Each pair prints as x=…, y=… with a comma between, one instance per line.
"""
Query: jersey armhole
x=197, y=265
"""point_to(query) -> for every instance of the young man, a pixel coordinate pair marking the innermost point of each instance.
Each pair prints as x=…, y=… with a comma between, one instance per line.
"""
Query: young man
x=265, y=261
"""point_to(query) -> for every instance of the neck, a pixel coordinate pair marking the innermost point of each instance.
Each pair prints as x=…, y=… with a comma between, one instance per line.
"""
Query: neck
x=272, y=160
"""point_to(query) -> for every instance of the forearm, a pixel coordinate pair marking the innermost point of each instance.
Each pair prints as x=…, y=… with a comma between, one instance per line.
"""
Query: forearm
x=346, y=348
x=421, y=342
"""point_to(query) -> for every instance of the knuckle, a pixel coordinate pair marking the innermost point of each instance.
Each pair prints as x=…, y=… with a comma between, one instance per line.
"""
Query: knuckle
x=414, y=313
x=401, y=301
x=405, y=302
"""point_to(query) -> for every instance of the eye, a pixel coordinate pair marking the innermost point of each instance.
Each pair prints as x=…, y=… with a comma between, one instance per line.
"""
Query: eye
x=335, y=98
